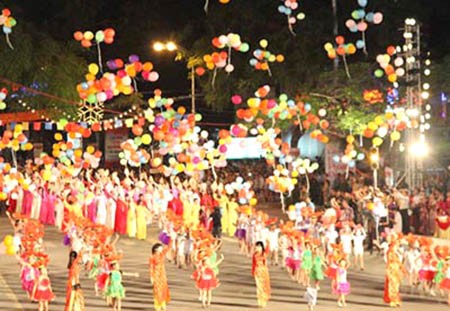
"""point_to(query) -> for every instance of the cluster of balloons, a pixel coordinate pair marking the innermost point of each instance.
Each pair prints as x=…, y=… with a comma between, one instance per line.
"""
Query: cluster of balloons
x=15, y=140
x=244, y=191
x=280, y=181
x=289, y=8
x=303, y=167
x=213, y=61
x=70, y=153
x=3, y=94
x=133, y=68
x=359, y=22
x=341, y=49
x=86, y=38
x=230, y=41
x=8, y=22
x=391, y=65
x=133, y=155
x=262, y=58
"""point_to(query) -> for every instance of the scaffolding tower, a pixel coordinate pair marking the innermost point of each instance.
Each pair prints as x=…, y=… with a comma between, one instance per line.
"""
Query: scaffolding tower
x=412, y=54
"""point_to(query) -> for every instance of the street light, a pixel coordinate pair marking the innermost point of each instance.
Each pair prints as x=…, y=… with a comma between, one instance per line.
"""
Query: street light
x=419, y=149
x=171, y=46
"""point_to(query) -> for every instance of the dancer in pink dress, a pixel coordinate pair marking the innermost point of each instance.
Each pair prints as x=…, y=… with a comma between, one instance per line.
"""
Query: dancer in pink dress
x=47, y=213
x=27, y=202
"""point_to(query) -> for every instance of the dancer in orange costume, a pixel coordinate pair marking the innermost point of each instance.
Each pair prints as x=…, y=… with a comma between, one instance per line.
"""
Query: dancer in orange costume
x=393, y=279
x=260, y=272
x=158, y=277
x=74, y=295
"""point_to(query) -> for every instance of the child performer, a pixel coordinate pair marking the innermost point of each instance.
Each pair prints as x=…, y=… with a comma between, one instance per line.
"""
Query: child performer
x=445, y=284
x=311, y=297
x=317, y=264
x=343, y=286
x=207, y=281
x=114, y=288
x=42, y=292
x=359, y=235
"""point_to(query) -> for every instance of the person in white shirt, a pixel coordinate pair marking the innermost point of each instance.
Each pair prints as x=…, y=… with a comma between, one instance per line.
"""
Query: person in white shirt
x=331, y=236
x=273, y=237
x=346, y=237
x=359, y=235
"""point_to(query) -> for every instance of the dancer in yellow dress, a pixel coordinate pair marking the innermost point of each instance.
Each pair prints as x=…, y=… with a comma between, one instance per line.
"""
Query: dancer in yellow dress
x=142, y=216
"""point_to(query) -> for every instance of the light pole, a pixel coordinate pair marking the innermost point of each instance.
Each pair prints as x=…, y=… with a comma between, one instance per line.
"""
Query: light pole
x=171, y=46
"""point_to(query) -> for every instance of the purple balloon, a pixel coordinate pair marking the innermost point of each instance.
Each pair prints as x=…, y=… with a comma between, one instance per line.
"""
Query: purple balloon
x=133, y=58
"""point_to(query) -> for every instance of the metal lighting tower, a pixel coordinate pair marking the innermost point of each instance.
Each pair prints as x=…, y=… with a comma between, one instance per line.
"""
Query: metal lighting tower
x=412, y=56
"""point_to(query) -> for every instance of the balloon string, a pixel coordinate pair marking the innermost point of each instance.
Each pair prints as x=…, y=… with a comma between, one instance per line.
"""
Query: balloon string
x=229, y=56
x=9, y=42
x=346, y=67
x=214, y=77
x=364, y=41
x=268, y=70
x=99, y=52
x=135, y=85
x=206, y=6
x=299, y=123
x=291, y=30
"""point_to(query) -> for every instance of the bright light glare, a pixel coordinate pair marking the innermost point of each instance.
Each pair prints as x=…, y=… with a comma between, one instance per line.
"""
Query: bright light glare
x=171, y=46
x=374, y=158
x=419, y=149
x=158, y=46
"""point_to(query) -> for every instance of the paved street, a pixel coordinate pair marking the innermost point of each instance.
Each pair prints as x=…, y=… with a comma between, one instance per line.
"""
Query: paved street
x=237, y=290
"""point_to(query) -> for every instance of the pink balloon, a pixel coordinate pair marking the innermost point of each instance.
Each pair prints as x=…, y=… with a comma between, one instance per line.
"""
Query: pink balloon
x=350, y=23
x=223, y=148
x=153, y=76
x=236, y=99
x=362, y=26
x=378, y=18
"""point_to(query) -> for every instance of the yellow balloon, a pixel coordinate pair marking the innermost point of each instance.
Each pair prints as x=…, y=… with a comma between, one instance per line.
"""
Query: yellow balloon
x=10, y=250
x=350, y=139
x=395, y=136
x=8, y=240
x=146, y=139
x=253, y=201
x=377, y=141
x=93, y=69
x=90, y=149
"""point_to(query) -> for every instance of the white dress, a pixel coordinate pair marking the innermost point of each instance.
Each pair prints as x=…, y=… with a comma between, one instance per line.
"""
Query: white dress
x=358, y=243
x=346, y=240
x=101, y=209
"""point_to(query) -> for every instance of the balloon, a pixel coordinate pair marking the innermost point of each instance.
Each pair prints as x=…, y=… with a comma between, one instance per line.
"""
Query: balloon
x=377, y=18
x=236, y=99
x=10, y=250
x=8, y=240
x=146, y=139
x=362, y=3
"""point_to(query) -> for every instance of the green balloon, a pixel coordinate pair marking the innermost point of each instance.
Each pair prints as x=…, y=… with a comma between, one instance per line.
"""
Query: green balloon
x=137, y=141
x=245, y=47
x=379, y=73
x=91, y=99
x=99, y=36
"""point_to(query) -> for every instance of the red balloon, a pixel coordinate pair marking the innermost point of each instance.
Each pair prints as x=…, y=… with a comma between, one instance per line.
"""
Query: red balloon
x=137, y=130
x=86, y=43
x=78, y=35
x=340, y=40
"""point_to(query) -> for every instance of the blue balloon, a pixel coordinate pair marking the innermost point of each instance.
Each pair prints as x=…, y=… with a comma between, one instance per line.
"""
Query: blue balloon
x=351, y=164
x=282, y=9
x=336, y=159
x=362, y=3
x=361, y=14
x=354, y=29
x=307, y=107
x=360, y=44
x=288, y=11
x=6, y=30
x=369, y=17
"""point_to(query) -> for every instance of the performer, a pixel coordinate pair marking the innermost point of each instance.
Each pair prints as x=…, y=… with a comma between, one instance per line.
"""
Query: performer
x=317, y=270
x=74, y=294
x=114, y=288
x=158, y=278
x=445, y=284
x=42, y=291
x=206, y=280
x=393, y=276
x=359, y=235
x=307, y=264
x=261, y=274
x=342, y=284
